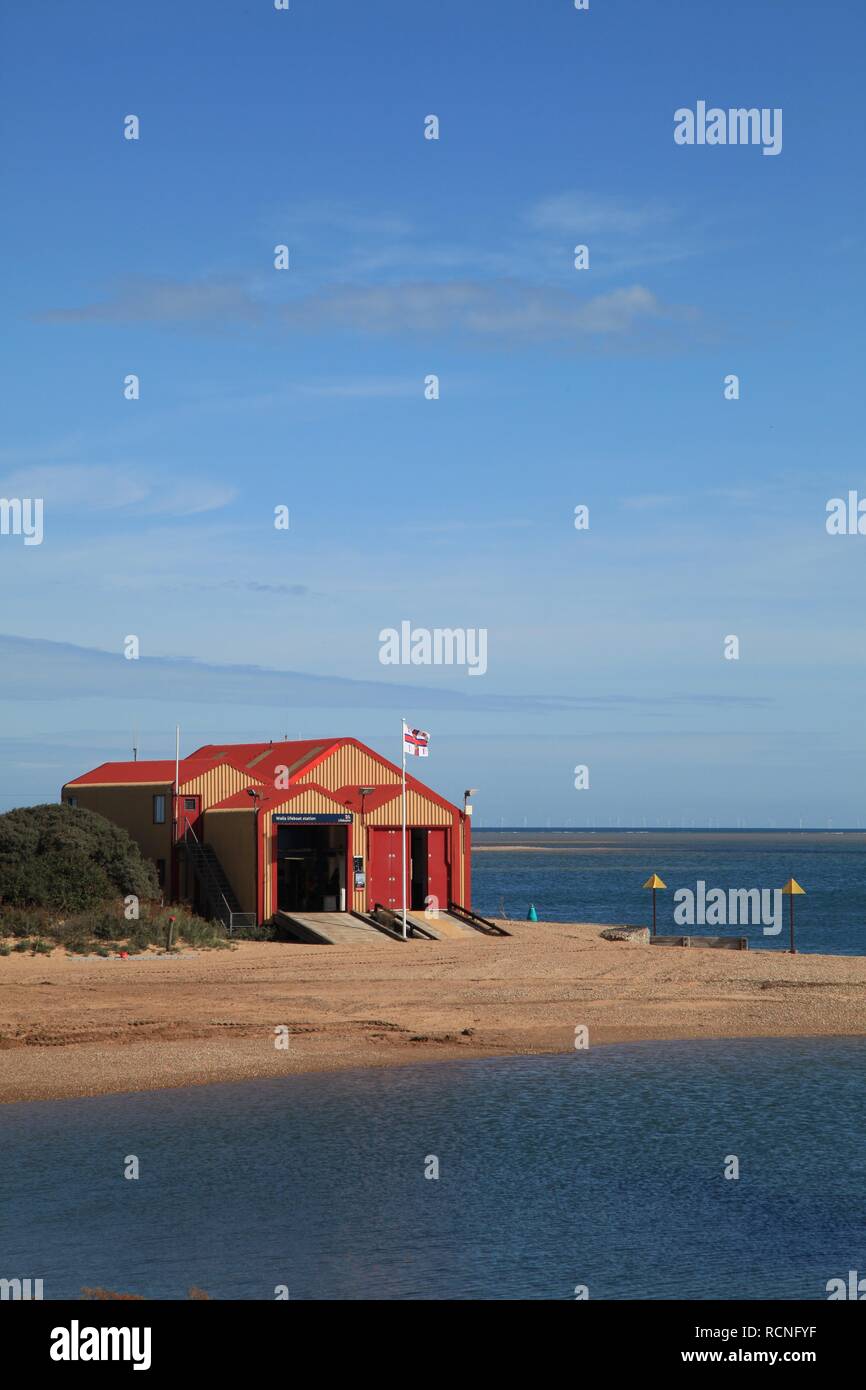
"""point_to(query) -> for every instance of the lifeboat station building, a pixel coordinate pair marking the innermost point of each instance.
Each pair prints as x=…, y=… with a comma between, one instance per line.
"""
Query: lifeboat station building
x=254, y=832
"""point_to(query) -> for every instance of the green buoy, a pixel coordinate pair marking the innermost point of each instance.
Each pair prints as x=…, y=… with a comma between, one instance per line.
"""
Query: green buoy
x=532, y=915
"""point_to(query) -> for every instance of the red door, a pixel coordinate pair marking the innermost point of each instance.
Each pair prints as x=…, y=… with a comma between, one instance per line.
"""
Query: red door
x=438, y=869
x=383, y=869
x=188, y=812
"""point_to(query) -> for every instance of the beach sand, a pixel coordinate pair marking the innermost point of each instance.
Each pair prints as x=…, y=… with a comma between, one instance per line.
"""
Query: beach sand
x=75, y=1027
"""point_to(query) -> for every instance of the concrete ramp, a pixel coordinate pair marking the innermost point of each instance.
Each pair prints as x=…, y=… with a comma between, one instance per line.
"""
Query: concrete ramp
x=443, y=927
x=329, y=928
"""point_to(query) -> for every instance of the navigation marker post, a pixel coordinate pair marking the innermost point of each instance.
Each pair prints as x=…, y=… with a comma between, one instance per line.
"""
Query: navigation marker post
x=654, y=882
x=791, y=890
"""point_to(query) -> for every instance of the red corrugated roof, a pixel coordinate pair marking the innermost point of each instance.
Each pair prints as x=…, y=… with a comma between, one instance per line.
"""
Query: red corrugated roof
x=121, y=773
x=351, y=797
x=270, y=800
x=261, y=759
x=156, y=771
x=258, y=762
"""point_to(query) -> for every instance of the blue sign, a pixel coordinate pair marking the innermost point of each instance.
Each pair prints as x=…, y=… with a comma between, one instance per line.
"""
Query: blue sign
x=304, y=818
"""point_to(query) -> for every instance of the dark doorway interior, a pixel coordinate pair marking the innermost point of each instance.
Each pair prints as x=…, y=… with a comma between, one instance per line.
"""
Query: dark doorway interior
x=418, y=885
x=311, y=868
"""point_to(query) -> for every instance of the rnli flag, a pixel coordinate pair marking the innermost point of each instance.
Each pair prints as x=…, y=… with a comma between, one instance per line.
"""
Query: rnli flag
x=415, y=741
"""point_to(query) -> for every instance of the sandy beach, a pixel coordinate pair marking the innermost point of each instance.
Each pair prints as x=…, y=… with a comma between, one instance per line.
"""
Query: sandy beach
x=75, y=1027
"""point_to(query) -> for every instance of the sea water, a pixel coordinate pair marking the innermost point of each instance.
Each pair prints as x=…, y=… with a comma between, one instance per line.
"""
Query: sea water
x=587, y=876
x=600, y=1170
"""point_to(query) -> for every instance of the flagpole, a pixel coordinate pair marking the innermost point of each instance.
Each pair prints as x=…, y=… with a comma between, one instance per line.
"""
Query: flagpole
x=403, y=837
x=176, y=807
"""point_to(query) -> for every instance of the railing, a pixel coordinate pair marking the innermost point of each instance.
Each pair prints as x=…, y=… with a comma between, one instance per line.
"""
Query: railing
x=394, y=923
x=370, y=920
x=241, y=919
x=474, y=919
x=214, y=892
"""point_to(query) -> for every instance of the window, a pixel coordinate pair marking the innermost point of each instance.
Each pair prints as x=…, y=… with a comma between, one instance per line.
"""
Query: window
x=72, y=801
x=160, y=872
x=159, y=810
x=189, y=803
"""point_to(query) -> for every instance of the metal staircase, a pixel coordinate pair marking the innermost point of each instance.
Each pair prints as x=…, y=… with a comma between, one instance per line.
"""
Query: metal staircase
x=216, y=890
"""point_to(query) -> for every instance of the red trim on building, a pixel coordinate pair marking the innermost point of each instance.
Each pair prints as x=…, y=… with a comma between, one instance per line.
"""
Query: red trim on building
x=257, y=762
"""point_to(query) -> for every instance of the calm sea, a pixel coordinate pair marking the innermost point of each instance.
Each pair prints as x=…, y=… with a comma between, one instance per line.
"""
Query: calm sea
x=602, y=1168
x=596, y=876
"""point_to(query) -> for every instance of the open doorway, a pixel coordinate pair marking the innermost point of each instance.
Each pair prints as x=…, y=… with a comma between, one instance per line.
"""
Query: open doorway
x=430, y=882
x=418, y=883
x=311, y=868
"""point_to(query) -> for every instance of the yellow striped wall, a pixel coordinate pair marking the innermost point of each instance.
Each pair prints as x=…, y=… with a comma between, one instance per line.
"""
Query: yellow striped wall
x=217, y=783
x=420, y=810
x=233, y=836
x=349, y=766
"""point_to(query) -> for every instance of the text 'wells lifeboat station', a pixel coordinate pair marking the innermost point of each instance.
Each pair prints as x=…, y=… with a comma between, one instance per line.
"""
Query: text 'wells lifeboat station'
x=247, y=832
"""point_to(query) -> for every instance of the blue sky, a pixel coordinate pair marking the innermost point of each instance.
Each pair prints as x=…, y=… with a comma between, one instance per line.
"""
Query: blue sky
x=558, y=387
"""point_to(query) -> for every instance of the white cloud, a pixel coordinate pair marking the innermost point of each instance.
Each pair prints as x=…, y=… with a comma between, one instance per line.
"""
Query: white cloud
x=504, y=311
x=88, y=488
x=587, y=214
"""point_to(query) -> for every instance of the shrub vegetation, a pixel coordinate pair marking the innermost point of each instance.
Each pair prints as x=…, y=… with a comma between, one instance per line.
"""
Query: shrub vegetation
x=64, y=875
x=67, y=858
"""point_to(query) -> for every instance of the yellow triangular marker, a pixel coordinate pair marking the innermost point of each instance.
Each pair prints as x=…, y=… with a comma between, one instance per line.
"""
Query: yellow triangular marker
x=792, y=887
x=655, y=882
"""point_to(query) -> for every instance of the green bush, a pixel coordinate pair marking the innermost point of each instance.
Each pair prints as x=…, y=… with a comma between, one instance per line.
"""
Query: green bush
x=104, y=929
x=192, y=930
x=103, y=923
x=265, y=932
x=68, y=858
x=21, y=921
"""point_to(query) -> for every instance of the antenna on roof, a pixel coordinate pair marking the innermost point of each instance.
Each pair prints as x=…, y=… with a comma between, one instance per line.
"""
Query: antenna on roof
x=135, y=745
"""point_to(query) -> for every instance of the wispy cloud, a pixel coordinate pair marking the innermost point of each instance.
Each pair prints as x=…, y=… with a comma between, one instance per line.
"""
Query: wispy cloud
x=507, y=311
x=502, y=313
x=35, y=669
x=87, y=488
x=625, y=235
x=591, y=214
x=523, y=291
x=140, y=299
x=499, y=312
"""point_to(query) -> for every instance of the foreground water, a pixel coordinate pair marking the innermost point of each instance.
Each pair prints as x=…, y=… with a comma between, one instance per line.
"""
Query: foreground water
x=602, y=1168
x=588, y=876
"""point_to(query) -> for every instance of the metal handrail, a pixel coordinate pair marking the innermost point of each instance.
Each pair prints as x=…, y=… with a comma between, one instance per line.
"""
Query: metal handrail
x=476, y=920
x=215, y=886
x=371, y=921
x=412, y=928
